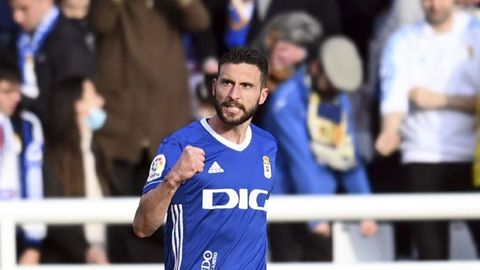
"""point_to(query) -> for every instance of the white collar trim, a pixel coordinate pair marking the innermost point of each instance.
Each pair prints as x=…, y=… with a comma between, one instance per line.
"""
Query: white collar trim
x=238, y=147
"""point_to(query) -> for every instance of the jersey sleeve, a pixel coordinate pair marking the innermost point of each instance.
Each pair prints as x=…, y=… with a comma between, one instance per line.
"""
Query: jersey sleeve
x=395, y=76
x=167, y=155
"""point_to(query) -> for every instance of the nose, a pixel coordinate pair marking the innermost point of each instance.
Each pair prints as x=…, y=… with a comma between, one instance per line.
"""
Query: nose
x=234, y=92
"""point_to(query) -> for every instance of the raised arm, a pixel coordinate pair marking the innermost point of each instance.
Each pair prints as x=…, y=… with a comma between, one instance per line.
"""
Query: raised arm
x=154, y=204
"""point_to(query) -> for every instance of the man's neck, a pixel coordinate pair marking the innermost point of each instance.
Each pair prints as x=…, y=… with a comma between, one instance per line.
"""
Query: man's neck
x=235, y=134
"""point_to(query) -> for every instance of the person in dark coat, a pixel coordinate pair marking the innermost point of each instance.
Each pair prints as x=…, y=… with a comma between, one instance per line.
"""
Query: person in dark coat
x=50, y=48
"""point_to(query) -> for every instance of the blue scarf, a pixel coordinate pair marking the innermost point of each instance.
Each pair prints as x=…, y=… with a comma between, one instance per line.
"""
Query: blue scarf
x=28, y=47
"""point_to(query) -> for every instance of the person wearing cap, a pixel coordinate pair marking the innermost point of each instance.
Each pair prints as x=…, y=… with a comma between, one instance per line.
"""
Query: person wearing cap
x=286, y=40
x=310, y=115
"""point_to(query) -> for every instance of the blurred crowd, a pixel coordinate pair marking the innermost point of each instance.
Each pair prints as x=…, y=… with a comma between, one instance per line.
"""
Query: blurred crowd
x=371, y=96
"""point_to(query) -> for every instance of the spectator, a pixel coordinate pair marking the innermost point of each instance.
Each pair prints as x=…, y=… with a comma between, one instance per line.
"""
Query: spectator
x=75, y=168
x=429, y=87
x=317, y=155
x=142, y=74
x=20, y=160
x=50, y=49
x=286, y=40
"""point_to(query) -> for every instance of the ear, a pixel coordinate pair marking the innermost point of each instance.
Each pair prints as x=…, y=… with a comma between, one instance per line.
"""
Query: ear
x=263, y=95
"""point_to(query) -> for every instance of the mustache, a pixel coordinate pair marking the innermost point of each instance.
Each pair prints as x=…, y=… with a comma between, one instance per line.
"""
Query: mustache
x=233, y=103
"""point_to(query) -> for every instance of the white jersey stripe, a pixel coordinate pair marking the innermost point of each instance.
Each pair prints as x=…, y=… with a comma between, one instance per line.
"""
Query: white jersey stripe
x=177, y=241
x=173, y=237
x=177, y=234
x=180, y=249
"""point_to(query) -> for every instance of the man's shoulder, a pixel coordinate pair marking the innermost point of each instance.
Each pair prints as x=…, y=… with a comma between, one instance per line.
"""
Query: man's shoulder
x=65, y=27
x=71, y=32
x=188, y=133
x=263, y=135
x=409, y=31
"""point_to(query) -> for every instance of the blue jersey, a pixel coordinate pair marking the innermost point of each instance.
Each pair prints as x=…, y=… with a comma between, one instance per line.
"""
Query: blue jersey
x=217, y=219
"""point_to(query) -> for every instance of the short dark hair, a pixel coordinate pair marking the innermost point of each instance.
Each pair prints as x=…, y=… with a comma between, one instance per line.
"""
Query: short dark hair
x=9, y=70
x=247, y=56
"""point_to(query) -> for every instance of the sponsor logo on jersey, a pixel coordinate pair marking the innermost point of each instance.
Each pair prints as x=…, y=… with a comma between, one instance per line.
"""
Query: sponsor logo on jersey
x=267, y=168
x=242, y=199
x=215, y=168
x=157, y=167
x=209, y=260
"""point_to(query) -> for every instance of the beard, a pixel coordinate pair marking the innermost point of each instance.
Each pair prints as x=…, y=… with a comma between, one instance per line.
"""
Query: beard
x=247, y=114
x=436, y=18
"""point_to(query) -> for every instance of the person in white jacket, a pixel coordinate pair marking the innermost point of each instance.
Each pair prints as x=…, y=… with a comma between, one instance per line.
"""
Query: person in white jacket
x=429, y=83
x=21, y=156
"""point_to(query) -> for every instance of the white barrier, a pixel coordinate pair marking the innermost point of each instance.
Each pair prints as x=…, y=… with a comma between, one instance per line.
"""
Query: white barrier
x=467, y=265
x=281, y=208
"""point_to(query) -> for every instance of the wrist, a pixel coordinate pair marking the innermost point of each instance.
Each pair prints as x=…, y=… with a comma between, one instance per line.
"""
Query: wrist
x=173, y=181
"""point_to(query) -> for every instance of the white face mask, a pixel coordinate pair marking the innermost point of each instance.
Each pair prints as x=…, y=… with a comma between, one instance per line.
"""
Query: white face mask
x=96, y=118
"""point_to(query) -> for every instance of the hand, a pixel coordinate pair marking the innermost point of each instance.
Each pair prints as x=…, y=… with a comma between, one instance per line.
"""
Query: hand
x=190, y=162
x=387, y=143
x=31, y=256
x=96, y=255
x=368, y=227
x=323, y=229
x=425, y=98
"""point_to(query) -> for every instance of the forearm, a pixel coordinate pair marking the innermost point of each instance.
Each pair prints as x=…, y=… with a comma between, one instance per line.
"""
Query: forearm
x=461, y=103
x=153, y=206
x=389, y=138
x=391, y=122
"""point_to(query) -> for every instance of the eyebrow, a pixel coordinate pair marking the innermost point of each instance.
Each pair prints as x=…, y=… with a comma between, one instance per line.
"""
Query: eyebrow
x=247, y=84
x=226, y=80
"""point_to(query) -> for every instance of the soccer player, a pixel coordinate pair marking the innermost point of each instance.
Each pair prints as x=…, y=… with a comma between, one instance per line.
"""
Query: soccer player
x=214, y=176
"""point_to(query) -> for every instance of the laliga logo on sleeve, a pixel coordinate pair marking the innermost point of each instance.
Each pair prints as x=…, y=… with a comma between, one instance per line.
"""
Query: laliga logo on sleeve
x=267, y=169
x=157, y=167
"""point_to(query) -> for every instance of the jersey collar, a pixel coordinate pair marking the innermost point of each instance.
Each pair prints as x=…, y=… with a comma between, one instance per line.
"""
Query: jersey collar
x=237, y=147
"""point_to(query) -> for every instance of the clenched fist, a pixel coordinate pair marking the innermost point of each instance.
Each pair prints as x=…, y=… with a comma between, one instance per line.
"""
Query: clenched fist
x=190, y=162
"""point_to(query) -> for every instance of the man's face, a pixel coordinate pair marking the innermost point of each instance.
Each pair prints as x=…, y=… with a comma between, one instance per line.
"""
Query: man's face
x=438, y=11
x=286, y=54
x=238, y=92
x=9, y=97
x=29, y=13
